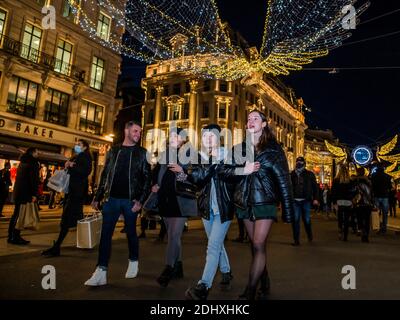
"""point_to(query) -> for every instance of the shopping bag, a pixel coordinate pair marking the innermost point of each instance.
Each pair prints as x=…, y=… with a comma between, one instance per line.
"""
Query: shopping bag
x=375, y=222
x=59, y=181
x=28, y=217
x=89, y=231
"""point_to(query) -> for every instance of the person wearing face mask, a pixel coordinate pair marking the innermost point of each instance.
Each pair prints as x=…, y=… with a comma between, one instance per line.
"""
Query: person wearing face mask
x=79, y=168
x=26, y=190
x=305, y=191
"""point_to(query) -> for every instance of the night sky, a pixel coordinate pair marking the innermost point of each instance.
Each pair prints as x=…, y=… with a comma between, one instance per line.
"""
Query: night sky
x=360, y=106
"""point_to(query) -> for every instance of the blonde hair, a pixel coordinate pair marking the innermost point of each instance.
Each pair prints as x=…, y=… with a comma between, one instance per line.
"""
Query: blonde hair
x=343, y=175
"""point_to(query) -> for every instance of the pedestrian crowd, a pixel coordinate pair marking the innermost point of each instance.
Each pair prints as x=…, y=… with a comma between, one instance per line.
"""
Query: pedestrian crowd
x=217, y=187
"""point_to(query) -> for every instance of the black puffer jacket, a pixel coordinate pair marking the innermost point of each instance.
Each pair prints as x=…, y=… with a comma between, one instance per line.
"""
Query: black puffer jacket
x=27, y=180
x=270, y=185
x=139, y=174
x=201, y=175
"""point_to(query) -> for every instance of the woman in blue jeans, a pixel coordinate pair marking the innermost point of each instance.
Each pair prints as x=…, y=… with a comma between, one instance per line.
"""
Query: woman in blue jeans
x=216, y=208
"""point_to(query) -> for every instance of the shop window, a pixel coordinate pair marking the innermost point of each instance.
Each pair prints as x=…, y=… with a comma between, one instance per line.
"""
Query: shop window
x=22, y=97
x=91, y=118
x=56, y=109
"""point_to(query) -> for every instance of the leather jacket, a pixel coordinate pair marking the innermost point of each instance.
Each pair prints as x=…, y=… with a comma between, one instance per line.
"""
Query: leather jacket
x=271, y=184
x=201, y=175
x=139, y=175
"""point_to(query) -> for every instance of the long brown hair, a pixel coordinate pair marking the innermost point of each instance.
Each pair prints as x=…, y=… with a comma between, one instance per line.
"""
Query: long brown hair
x=267, y=136
x=343, y=175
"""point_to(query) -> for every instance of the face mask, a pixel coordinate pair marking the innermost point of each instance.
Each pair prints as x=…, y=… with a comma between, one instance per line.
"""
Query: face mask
x=299, y=165
x=77, y=149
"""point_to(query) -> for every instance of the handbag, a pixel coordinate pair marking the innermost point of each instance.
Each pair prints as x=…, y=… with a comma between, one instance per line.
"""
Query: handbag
x=28, y=217
x=186, y=189
x=88, y=231
x=151, y=204
x=59, y=181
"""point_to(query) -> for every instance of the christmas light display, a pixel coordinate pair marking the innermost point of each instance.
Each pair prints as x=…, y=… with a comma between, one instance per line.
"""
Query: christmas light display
x=391, y=167
x=387, y=148
x=191, y=32
x=338, y=152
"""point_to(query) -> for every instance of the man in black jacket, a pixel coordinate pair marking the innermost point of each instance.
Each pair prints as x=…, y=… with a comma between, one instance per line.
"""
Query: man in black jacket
x=5, y=183
x=124, y=186
x=305, y=190
x=381, y=186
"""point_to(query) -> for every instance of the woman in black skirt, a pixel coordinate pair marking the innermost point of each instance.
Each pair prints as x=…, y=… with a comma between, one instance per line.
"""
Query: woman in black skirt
x=79, y=169
x=263, y=185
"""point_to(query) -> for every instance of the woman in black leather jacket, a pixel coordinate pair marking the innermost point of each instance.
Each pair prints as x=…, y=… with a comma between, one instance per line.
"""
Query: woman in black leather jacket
x=216, y=208
x=262, y=185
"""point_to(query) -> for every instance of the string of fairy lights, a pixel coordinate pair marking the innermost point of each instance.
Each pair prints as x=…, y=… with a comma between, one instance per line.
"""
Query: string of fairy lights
x=295, y=33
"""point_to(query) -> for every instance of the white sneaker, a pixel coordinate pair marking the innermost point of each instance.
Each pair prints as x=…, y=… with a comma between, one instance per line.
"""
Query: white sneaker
x=99, y=278
x=133, y=269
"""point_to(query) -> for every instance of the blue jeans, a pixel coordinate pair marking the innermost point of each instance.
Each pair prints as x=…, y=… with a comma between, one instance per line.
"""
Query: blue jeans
x=383, y=204
x=302, y=209
x=112, y=209
x=216, y=253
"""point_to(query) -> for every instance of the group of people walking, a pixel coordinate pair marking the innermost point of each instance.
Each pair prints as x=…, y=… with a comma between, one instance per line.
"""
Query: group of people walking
x=210, y=187
x=217, y=186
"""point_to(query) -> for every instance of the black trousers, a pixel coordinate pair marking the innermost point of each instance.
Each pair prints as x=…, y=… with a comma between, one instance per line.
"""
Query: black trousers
x=12, y=232
x=363, y=217
x=344, y=214
x=3, y=199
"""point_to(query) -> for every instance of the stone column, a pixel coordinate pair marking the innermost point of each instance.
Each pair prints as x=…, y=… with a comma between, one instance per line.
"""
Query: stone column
x=4, y=92
x=40, y=104
x=193, y=110
x=157, y=111
x=73, y=113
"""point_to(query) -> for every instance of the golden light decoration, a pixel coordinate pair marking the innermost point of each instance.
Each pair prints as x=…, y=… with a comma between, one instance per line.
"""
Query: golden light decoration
x=391, y=167
x=387, y=148
x=338, y=152
x=295, y=33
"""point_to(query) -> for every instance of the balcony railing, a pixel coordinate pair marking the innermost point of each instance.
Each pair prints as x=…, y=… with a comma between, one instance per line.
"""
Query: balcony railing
x=18, y=49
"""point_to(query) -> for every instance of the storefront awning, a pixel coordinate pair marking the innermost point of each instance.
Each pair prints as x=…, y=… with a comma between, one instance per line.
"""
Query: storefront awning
x=51, y=156
x=9, y=151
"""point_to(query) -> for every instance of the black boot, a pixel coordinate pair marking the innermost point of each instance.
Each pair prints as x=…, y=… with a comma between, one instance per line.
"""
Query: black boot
x=15, y=238
x=165, y=276
x=265, y=287
x=248, y=294
x=54, y=251
x=178, y=270
x=199, y=292
x=225, y=283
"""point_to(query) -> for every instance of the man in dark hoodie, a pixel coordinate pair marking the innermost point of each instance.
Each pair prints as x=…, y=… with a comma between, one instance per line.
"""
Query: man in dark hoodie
x=381, y=186
x=305, y=191
x=25, y=190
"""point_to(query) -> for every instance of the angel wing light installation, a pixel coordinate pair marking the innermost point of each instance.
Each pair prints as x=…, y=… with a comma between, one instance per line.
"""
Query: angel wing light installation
x=295, y=33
